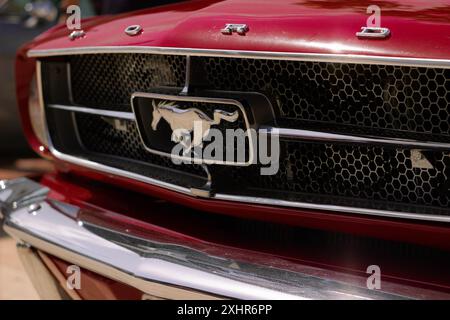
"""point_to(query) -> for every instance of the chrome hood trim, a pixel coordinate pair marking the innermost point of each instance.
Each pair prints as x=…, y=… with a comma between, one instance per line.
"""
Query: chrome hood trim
x=158, y=267
x=271, y=55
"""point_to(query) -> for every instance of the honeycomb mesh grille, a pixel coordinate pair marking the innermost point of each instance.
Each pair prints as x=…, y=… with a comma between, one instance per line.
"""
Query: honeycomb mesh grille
x=107, y=81
x=360, y=172
x=401, y=98
x=100, y=136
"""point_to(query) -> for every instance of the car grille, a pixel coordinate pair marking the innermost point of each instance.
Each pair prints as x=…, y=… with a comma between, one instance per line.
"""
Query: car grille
x=349, y=173
x=408, y=99
x=395, y=103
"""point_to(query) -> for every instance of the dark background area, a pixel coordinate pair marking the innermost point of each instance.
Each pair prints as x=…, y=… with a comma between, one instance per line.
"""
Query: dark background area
x=20, y=22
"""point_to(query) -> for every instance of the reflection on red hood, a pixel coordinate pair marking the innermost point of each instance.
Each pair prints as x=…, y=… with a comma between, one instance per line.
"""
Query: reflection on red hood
x=419, y=28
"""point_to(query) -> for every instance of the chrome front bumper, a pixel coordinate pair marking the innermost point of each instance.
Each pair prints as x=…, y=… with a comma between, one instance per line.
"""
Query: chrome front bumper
x=159, y=268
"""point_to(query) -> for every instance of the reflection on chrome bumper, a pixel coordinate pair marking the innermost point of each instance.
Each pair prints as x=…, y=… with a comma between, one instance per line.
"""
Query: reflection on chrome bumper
x=160, y=268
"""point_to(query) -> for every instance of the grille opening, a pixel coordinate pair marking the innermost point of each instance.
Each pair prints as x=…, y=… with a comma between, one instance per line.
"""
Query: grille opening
x=360, y=99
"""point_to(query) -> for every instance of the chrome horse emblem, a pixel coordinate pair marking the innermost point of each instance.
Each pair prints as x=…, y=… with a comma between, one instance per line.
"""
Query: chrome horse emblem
x=186, y=121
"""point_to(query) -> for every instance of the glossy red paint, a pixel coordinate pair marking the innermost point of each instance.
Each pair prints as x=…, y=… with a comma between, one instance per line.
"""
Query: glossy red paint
x=419, y=29
x=151, y=218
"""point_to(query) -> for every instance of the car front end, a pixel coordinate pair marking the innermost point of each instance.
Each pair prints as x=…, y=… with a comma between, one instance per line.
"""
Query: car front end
x=360, y=118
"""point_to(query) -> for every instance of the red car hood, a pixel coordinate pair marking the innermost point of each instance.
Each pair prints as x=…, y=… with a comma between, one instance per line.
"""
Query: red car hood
x=419, y=29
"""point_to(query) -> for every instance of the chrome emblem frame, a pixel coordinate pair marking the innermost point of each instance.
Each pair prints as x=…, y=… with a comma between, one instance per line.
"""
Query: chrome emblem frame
x=179, y=118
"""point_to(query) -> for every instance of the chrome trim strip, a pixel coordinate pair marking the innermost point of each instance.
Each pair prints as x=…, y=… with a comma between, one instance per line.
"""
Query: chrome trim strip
x=159, y=265
x=41, y=93
x=310, y=135
x=41, y=102
x=99, y=112
x=187, y=78
x=69, y=82
x=315, y=57
x=122, y=173
x=333, y=208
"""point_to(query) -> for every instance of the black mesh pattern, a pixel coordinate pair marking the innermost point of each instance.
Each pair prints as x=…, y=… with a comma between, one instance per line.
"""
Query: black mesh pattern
x=360, y=172
x=409, y=99
x=99, y=136
x=108, y=80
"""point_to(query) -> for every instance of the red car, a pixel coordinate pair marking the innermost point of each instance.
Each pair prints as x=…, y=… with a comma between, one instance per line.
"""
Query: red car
x=356, y=98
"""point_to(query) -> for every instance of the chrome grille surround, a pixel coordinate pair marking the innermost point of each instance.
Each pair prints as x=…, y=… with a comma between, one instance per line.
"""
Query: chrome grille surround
x=339, y=208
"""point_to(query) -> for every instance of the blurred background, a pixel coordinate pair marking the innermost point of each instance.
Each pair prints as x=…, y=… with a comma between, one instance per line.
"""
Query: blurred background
x=20, y=22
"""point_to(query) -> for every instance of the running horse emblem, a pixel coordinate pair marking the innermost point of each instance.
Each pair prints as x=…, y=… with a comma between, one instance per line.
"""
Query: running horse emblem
x=185, y=121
